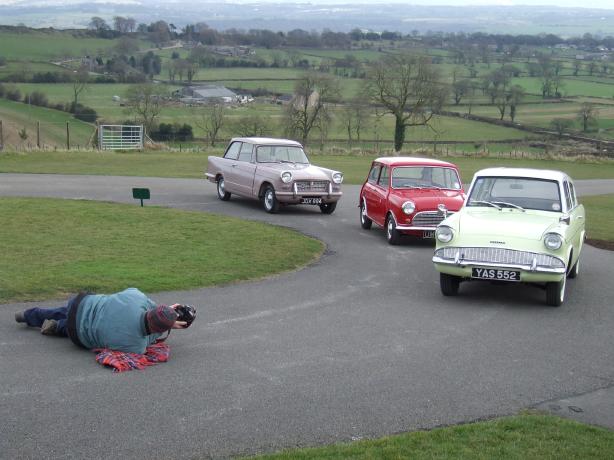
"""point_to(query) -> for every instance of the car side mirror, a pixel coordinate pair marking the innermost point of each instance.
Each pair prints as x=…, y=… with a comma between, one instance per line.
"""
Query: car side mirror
x=566, y=219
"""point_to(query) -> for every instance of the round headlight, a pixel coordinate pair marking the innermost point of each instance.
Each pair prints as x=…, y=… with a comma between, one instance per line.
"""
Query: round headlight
x=408, y=207
x=286, y=177
x=444, y=234
x=337, y=177
x=553, y=241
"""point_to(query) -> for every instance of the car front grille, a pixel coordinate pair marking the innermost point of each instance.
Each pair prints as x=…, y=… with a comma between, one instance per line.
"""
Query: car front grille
x=428, y=218
x=310, y=186
x=486, y=256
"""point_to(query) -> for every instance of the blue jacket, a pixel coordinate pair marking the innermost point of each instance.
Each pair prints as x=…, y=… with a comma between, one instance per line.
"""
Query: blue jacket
x=115, y=321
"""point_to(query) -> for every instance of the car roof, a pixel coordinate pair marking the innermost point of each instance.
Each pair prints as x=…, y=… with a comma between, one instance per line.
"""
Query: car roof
x=549, y=174
x=266, y=141
x=412, y=161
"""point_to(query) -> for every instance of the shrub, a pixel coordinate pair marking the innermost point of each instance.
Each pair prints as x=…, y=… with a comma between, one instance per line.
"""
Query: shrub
x=36, y=98
x=172, y=132
x=13, y=94
x=82, y=112
x=2, y=61
x=2, y=90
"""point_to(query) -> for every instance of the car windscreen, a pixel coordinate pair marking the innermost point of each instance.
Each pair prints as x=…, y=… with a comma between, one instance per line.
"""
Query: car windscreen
x=425, y=177
x=280, y=154
x=524, y=192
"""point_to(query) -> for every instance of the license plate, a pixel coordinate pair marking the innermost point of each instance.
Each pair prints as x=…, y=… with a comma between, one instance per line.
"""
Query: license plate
x=495, y=274
x=428, y=234
x=311, y=200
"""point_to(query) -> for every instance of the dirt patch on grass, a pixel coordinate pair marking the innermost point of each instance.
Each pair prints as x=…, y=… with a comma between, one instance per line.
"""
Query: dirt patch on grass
x=601, y=244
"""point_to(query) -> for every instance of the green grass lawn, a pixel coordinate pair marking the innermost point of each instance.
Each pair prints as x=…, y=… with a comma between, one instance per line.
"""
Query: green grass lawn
x=58, y=247
x=599, y=216
x=526, y=436
x=193, y=165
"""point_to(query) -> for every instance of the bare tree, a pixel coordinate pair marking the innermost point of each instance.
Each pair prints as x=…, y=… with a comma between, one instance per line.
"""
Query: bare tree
x=98, y=24
x=79, y=84
x=252, y=125
x=354, y=118
x=312, y=94
x=409, y=88
x=460, y=89
x=587, y=115
x=211, y=120
x=501, y=102
x=560, y=125
x=516, y=94
x=146, y=101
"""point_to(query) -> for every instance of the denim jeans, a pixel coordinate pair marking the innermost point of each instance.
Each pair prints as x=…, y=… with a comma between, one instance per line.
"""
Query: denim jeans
x=36, y=316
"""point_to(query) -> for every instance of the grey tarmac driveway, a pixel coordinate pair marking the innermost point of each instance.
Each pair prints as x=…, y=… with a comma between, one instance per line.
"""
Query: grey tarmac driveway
x=359, y=344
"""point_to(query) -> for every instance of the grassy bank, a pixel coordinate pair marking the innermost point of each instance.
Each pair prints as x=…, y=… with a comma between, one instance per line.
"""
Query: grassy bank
x=520, y=437
x=56, y=247
x=600, y=218
x=193, y=165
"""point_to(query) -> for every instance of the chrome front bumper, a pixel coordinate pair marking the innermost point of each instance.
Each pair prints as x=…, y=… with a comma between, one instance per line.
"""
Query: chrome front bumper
x=499, y=258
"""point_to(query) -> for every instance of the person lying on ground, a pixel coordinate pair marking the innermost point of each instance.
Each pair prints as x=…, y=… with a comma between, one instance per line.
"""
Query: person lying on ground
x=126, y=321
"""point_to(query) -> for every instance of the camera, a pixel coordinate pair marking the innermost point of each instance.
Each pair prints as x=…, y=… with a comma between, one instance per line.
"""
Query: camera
x=186, y=313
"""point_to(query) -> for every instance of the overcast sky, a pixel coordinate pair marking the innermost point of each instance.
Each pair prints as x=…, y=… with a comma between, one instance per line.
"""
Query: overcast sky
x=606, y=4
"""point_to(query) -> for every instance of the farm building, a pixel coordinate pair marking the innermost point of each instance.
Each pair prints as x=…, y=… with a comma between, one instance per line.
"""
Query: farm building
x=207, y=94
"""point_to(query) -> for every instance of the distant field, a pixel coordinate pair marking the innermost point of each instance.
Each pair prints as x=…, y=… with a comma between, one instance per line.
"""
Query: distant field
x=46, y=45
x=19, y=67
x=248, y=73
x=570, y=87
x=16, y=116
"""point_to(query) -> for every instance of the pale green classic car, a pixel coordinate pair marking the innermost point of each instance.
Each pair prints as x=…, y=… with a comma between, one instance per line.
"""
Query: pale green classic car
x=516, y=226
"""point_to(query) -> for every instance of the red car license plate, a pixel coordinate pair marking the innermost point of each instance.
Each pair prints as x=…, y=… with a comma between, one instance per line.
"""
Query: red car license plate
x=495, y=274
x=428, y=234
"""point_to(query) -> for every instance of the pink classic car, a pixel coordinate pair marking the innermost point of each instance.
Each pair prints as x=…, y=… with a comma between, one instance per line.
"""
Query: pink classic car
x=409, y=196
x=276, y=172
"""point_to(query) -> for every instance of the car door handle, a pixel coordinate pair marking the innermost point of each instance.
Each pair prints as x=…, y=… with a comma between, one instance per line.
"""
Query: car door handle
x=234, y=165
x=580, y=217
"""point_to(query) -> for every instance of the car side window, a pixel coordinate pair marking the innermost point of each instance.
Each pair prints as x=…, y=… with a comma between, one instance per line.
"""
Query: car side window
x=567, y=195
x=232, y=153
x=246, y=153
x=572, y=191
x=383, y=177
x=374, y=174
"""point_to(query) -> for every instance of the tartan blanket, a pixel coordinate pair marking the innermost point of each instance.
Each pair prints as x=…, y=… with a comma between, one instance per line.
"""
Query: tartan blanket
x=123, y=361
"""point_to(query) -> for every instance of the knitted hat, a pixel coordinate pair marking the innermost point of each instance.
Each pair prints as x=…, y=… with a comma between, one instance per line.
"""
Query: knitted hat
x=160, y=319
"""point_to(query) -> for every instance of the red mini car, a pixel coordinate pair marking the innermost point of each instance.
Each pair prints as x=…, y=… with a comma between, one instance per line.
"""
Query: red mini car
x=409, y=196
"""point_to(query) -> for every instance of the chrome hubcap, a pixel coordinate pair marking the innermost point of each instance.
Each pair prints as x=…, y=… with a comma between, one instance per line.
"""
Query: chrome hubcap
x=390, y=228
x=562, y=293
x=268, y=199
x=220, y=187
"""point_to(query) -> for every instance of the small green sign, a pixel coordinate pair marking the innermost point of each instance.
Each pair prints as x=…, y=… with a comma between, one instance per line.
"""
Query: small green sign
x=141, y=194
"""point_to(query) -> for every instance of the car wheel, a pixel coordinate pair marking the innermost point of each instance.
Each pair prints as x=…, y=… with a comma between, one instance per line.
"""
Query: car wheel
x=365, y=222
x=222, y=194
x=328, y=208
x=449, y=284
x=392, y=234
x=555, y=292
x=269, y=200
x=573, y=273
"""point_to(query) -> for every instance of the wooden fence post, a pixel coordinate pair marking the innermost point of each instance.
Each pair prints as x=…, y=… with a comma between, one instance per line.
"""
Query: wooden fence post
x=38, y=134
x=67, y=137
x=1, y=137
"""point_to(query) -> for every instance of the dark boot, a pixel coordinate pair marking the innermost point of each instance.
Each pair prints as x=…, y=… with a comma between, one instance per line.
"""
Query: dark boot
x=49, y=327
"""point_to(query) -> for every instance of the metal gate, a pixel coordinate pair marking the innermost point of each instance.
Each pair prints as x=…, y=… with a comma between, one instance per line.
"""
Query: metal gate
x=120, y=137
